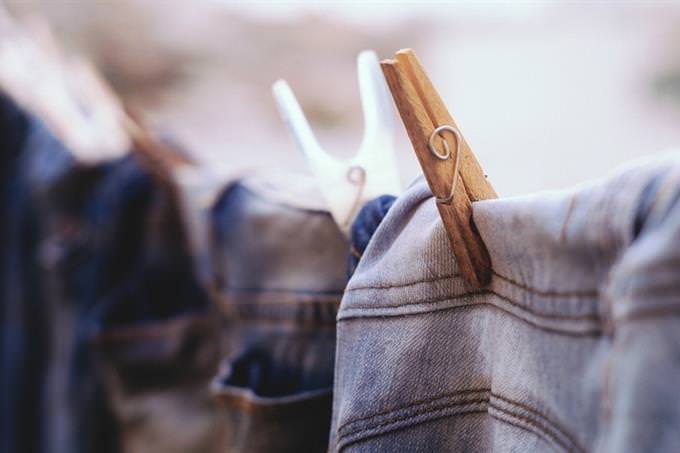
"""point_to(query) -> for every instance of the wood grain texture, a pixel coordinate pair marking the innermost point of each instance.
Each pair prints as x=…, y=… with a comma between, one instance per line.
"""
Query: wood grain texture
x=421, y=111
x=476, y=184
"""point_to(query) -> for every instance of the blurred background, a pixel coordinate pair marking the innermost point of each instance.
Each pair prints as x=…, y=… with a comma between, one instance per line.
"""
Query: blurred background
x=548, y=93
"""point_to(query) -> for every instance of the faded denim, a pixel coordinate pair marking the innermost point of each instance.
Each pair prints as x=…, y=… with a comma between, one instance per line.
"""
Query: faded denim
x=573, y=346
x=279, y=276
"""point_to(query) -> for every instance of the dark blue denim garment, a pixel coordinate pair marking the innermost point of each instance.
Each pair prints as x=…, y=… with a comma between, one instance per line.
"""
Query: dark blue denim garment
x=86, y=252
x=139, y=257
x=123, y=263
x=32, y=159
x=141, y=304
x=363, y=227
x=72, y=256
x=147, y=323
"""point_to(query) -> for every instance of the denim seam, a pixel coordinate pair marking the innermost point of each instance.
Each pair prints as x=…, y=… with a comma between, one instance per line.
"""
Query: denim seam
x=306, y=292
x=302, y=312
x=347, y=443
x=593, y=332
x=667, y=187
x=404, y=285
x=610, y=210
x=656, y=200
x=249, y=401
x=605, y=404
x=548, y=433
x=539, y=292
x=313, y=324
x=360, y=433
x=567, y=218
x=585, y=317
x=549, y=426
x=531, y=429
x=283, y=304
x=557, y=426
x=414, y=403
x=273, y=301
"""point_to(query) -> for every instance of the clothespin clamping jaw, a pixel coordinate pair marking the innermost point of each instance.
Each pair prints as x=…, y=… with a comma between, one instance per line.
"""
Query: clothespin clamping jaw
x=347, y=184
x=451, y=169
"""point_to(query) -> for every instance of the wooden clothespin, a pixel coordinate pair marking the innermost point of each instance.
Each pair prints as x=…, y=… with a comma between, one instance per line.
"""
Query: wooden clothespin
x=451, y=169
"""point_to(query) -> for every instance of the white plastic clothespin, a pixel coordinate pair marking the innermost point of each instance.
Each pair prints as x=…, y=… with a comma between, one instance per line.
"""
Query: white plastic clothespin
x=347, y=184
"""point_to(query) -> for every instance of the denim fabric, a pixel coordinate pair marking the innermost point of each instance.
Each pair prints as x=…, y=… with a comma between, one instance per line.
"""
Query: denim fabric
x=153, y=338
x=573, y=346
x=279, y=277
x=107, y=341
x=62, y=239
x=157, y=378
x=364, y=226
x=32, y=159
x=13, y=419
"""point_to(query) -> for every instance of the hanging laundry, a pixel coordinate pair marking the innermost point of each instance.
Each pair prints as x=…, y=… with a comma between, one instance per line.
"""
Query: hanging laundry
x=279, y=276
x=554, y=354
x=32, y=158
x=151, y=330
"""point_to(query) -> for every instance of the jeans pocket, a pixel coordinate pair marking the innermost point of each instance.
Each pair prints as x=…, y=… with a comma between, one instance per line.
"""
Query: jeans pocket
x=266, y=409
x=157, y=377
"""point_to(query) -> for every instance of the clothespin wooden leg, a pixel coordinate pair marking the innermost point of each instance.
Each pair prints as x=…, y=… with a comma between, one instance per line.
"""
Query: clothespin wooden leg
x=454, y=175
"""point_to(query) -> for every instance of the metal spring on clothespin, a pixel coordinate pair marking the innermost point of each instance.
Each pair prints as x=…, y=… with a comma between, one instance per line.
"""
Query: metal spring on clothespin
x=456, y=182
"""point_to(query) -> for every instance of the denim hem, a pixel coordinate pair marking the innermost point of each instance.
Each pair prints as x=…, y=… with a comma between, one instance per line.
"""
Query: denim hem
x=311, y=310
x=247, y=400
x=463, y=402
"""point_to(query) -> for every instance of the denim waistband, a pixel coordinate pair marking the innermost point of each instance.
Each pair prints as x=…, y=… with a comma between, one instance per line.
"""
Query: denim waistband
x=275, y=261
x=556, y=245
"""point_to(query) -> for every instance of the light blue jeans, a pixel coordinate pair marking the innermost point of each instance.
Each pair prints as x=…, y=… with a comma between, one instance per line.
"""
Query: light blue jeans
x=573, y=346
